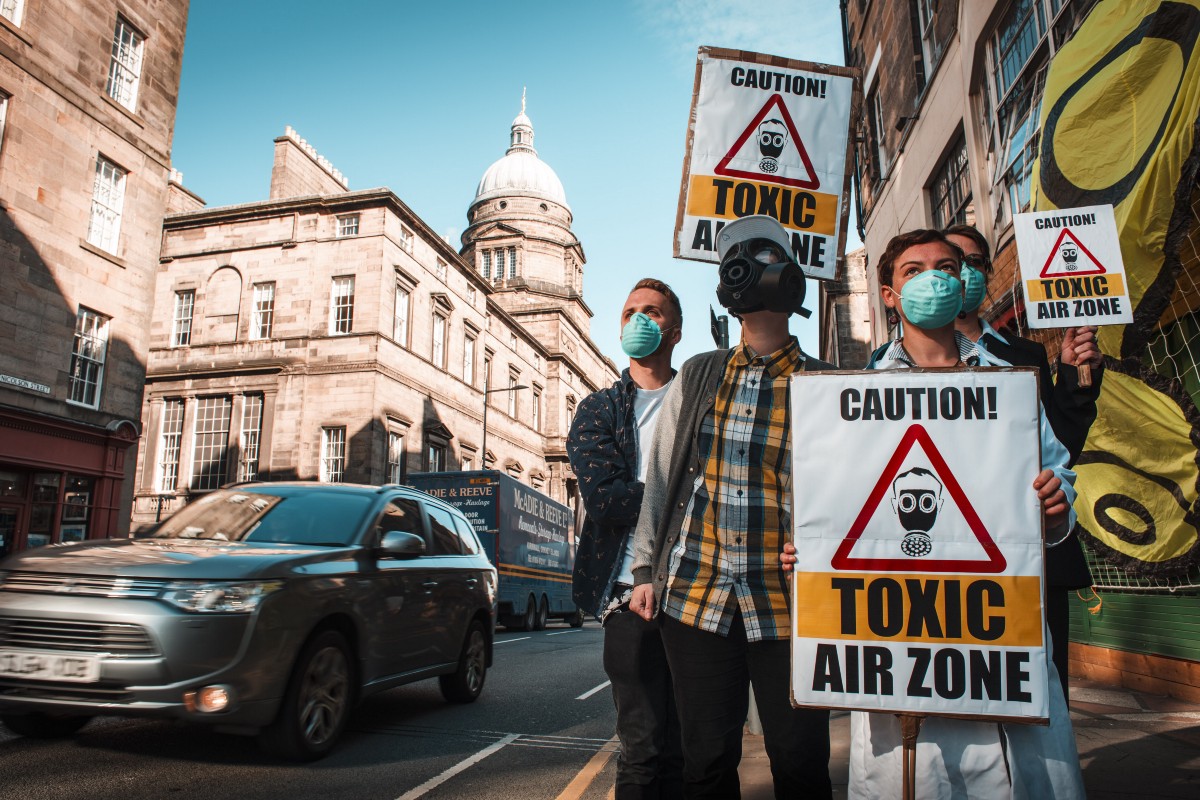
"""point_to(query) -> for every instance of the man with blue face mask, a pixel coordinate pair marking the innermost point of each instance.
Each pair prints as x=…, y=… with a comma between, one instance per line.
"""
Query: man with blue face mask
x=608, y=444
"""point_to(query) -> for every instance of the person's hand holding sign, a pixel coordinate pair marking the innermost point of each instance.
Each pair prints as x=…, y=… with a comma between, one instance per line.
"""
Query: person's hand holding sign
x=1079, y=348
x=1055, y=508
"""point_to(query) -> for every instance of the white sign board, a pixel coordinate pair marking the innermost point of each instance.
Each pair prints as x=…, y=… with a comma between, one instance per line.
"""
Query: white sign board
x=768, y=135
x=919, y=583
x=1071, y=268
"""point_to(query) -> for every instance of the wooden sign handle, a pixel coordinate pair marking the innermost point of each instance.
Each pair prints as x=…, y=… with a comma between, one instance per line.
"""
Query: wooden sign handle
x=1085, y=375
x=910, y=728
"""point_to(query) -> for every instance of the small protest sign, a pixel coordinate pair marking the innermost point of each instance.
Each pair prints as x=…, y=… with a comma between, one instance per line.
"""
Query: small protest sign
x=1071, y=268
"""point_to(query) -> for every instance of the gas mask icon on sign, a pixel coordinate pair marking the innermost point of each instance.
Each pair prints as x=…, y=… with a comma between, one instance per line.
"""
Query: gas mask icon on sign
x=916, y=499
x=1069, y=256
x=772, y=136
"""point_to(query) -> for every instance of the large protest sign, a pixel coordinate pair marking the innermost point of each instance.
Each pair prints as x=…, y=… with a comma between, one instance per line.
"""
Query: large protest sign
x=918, y=588
x=1071, y=268
x=768, y=135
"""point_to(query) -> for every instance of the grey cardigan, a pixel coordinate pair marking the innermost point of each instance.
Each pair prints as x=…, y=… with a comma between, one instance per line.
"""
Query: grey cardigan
x=674, y=463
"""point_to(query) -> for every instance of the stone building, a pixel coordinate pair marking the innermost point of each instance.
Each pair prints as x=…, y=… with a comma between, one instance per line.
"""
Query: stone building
x=331, y=334
x=87, y=111
x=949, y=130
x=846, y=313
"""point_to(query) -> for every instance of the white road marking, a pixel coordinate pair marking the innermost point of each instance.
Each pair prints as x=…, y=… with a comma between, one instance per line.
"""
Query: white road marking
x=591, y=692
x=506, y=641
x=560, y=633
x=465, y=764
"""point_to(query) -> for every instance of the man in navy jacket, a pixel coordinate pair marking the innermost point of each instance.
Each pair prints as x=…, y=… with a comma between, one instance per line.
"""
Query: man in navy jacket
x=609, y=438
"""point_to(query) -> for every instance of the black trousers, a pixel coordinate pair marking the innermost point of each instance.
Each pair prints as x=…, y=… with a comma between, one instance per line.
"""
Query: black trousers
x=713, y=675
x=650, y=764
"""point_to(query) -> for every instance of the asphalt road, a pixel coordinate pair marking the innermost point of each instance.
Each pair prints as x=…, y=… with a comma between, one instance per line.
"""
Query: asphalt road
x=541, y=729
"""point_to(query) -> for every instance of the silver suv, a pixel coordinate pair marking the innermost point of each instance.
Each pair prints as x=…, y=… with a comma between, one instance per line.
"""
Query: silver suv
x=263, y=608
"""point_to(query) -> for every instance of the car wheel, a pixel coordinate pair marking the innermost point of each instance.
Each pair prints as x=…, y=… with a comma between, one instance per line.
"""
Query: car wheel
x=542, y=615
x=316, y=705
x=530, y=620
x=576, y=619
x=39, y=725
x=466, y=682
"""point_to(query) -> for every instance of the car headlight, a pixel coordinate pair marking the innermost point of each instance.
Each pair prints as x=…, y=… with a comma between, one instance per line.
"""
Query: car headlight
x=219, y=597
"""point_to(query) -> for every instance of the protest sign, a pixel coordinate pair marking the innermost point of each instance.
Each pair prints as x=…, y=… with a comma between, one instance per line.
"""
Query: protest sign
x=918, y=588
x=768, y=135
x=1071, y=268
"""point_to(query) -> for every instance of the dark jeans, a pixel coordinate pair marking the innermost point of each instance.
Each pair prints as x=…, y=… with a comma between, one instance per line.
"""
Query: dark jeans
x=650, y=764
x=712, y=676
x=1058, y=620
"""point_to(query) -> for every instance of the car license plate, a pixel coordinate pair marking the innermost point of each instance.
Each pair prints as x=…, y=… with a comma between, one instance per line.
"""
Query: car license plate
x=35, y=666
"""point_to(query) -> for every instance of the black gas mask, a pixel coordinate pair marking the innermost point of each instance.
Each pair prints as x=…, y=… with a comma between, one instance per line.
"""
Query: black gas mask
x=760, y=275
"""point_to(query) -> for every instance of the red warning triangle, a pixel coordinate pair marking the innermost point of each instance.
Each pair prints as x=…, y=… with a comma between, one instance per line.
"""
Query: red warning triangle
x=916, y=434
x=793, y=145
x=1072, y=260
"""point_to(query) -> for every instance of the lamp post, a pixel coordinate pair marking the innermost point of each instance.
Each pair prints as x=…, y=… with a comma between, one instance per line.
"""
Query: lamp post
x=486, y=392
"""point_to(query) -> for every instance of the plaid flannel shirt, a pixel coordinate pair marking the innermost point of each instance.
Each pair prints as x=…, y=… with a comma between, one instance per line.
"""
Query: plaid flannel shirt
x=739, y=514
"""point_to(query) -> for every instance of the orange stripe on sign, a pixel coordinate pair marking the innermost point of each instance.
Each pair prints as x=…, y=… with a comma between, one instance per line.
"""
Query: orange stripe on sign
x=715, y=197
x=999, y=610
x=1064, y=287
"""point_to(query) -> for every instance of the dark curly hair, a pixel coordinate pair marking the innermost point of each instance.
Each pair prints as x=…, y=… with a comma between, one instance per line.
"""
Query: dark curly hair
x=901, y=242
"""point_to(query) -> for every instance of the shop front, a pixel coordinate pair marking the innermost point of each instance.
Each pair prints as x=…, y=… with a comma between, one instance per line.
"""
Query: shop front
x=60, y=481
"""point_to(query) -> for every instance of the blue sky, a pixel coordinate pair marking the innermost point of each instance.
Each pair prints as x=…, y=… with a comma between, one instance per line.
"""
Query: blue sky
x=419, y=98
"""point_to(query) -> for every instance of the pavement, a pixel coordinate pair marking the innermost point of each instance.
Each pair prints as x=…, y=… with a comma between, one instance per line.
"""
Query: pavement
x=1131, y=745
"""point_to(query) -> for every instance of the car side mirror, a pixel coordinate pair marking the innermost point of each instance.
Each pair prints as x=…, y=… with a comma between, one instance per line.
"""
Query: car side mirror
x=402, y=544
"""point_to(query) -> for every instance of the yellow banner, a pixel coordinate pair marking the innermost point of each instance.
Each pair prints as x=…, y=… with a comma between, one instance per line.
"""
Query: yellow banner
x=717, y=197
x=996, y=610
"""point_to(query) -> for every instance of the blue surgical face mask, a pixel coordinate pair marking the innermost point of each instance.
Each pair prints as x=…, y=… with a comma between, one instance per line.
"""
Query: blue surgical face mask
x=974, y=287
x=932, y=299
x=641, y=336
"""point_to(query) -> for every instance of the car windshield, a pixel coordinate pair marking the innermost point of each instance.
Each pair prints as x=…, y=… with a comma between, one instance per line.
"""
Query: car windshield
x=328, y=519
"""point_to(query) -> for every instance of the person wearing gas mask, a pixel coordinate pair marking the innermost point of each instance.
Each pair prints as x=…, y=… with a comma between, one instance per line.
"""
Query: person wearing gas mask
x=715, y=515
x=1069, y=407
x=919, y=276
x=608, y=447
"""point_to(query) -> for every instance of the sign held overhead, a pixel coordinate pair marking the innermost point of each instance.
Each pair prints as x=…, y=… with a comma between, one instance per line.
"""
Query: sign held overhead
x=768, y=135
x=1071, y=268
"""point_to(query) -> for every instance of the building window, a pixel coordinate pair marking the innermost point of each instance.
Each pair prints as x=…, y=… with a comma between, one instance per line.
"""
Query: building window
x=470, y=289
x=3, y=114
x=252, y=415
x=333, y=454
x=925, y=19
x=435, y=457
x=347, y=225
x=441, y=270
x=400, y=315
x=1021, y=142
x=570, y=410
x=537, y=361
x=210, y=441
x=536, y=417
x=108, y=197
x=468, y=373
x=512, y=393
x=468, y=460
x=487, y=369
x=512, y=262
x=341, y=305
x=1015, y=40
x=876, y=143
x=512, y=341
x=406, y=240
x=12, y=10
x=170, y=439
x=263, y=318
x=87, y=357
x=181, y=325
x=125, y=69
x=498, y=269
x=951, y=189
x=395, y=457
x=439, y=340
x=485, y=264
